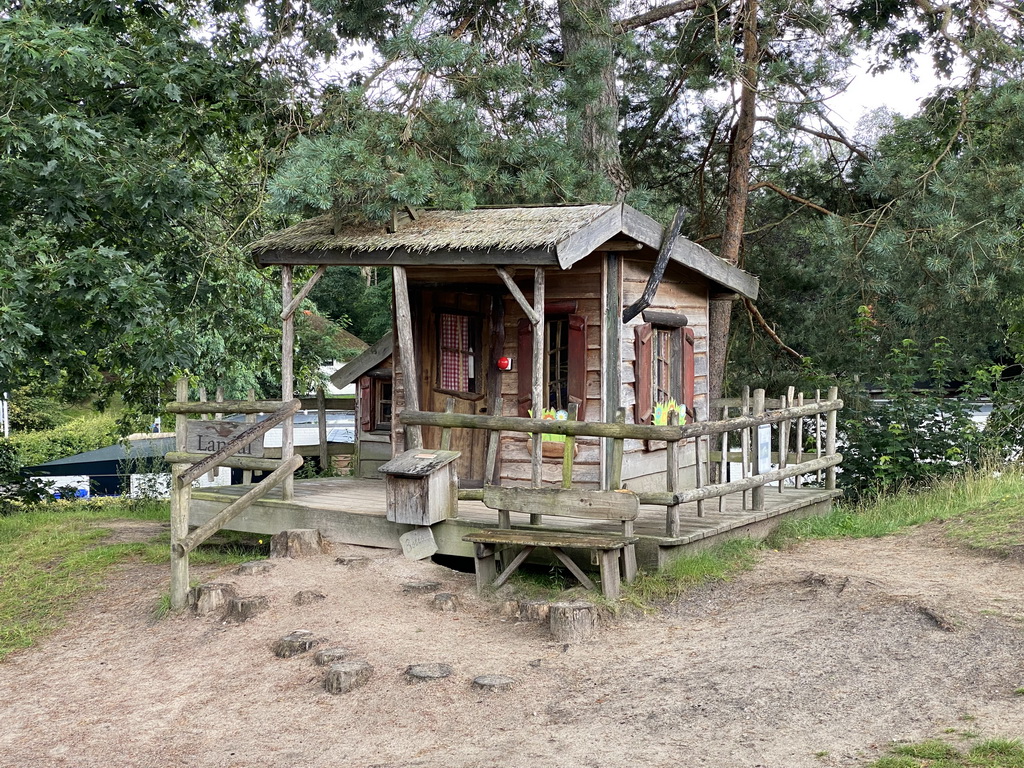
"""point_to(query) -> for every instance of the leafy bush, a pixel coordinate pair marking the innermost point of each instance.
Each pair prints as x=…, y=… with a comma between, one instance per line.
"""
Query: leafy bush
x=915, y=435
x=83, y=434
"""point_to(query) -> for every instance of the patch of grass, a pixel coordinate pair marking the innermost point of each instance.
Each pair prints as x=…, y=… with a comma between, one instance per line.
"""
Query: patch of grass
x=717, y=563
x=983, y=509
x=997, y=753
x=53, y=554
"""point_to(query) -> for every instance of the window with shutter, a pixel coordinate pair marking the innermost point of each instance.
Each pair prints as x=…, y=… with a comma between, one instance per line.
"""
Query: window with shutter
x=664, y=370
x=643, y=408
x=565, y=363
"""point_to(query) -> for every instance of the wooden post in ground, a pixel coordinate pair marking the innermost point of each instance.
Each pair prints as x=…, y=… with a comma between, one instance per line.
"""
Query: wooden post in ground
x=817, y=431
x=830, y=440
x=180, y=498
x=287, y=379
x=537, y=463
x=757, y=494
x=407, y=354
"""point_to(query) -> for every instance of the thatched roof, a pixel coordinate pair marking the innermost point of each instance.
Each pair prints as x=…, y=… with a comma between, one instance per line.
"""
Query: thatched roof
x=545, y=236
x=480, y=229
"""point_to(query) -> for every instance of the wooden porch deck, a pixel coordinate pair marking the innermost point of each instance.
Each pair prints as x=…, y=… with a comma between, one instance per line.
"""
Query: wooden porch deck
x=352, y=511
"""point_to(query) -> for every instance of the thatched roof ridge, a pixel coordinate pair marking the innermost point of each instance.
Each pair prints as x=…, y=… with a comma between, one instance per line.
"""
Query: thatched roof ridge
x=514, y=228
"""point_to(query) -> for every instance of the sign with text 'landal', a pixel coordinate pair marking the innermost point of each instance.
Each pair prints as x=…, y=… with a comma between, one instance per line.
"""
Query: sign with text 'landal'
x=211, y=436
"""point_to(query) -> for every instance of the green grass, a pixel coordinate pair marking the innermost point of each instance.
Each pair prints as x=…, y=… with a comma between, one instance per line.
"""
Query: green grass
x=984, y=510
x=718, y=563
x=52, y=555
x=997, y=753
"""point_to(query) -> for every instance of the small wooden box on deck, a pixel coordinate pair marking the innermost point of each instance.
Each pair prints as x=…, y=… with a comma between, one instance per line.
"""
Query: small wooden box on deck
x=421, y=486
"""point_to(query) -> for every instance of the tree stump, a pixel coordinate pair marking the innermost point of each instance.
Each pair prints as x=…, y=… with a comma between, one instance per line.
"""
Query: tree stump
x=300, y=542
x=331, y=655
x=307, y=596
x=253, y=567
x=445, y=602
x=345, y=676
x=414, y=587
x=572, y=622
x=420, y=673
x=210, y=598
x=243, y=608
x=534, y=610
x=493, y=683
x=294, y=643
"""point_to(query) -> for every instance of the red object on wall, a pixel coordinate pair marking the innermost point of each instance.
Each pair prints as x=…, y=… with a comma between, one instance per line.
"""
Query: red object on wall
x=504, y=363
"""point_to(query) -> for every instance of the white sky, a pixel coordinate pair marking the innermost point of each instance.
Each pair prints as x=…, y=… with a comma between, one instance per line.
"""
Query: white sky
x=900, y=91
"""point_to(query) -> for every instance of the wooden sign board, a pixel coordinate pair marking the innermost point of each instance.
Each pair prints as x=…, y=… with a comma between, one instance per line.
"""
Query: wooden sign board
x=211, y=436
x=418, y=544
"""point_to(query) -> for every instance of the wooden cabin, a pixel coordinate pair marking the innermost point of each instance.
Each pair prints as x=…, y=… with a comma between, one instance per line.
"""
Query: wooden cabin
x=589, y=317
x=476, y=283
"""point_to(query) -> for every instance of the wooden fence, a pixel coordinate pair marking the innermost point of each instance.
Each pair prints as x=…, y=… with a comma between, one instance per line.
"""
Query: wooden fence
x=764, y=430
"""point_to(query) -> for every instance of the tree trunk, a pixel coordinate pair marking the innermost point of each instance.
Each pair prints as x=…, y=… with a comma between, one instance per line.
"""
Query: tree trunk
x=736, y=197
x=585, y=25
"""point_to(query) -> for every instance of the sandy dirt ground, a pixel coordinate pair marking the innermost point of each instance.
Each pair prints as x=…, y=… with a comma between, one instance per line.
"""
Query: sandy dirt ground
x=823, y=655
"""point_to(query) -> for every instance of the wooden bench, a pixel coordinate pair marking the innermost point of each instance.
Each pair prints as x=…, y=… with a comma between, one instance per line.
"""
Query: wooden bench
x=621, y=506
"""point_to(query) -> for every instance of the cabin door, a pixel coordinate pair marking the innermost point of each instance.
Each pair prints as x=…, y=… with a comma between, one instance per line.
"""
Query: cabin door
x=455, y=340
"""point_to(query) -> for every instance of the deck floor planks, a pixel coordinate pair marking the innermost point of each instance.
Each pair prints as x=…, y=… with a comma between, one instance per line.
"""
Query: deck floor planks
x=366, y=497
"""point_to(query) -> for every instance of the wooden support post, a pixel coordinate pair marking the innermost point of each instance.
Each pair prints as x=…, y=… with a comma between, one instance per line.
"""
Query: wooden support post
x=291, y=306
x=287, y=380
x=250, y=418
x=569, y=448
x=486, y=566
x=321, y=430
x=181, y=495
x=799, y=479
x=539, y=343
x=407, y=354
x=745, y=444
x=830, y=440
x=611, y=356
x=757, y=494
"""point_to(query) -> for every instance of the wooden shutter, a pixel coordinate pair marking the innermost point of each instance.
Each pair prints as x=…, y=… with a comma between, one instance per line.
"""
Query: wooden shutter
x=525, y=367
x=367, y=406
x=577, y=383
x=642, y=385
x=689, y=375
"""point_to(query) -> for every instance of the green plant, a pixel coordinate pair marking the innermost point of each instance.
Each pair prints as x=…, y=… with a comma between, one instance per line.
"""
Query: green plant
x=918, y=433
x=717, y=563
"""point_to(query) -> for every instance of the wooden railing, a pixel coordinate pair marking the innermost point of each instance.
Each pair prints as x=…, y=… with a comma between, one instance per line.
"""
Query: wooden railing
x=779, y=416
x=187, y=467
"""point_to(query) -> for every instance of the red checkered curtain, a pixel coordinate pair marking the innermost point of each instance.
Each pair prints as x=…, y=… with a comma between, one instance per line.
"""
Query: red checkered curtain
x=455, y=353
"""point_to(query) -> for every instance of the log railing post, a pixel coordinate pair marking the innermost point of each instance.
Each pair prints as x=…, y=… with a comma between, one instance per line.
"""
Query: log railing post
x=745, y=444
x=321, y=430
x=830, y=440
x=250, y=418
x=799, y=479
x=537, y=463
x=672, y=478
x=757, y=493
x=181, y=494
x=818, y=441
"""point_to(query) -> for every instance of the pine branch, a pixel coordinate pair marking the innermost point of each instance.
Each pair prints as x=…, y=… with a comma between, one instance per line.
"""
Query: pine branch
x=655, y=14
x=790, y=196
x=822, y=135
x=755, y=314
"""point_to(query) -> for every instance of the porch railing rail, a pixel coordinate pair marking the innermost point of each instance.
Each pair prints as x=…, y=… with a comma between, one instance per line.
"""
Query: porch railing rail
x=763, y=430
